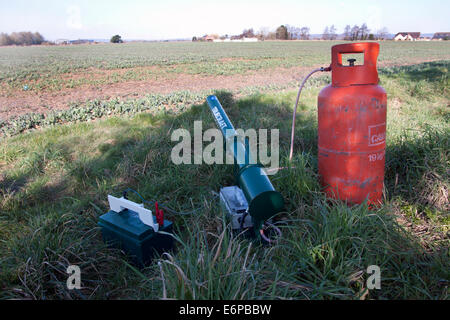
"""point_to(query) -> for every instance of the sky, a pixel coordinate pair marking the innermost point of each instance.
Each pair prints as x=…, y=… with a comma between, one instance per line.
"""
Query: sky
x=175, y=19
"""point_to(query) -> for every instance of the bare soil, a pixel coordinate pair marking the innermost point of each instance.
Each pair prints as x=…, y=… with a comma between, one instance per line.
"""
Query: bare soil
x=22, y=102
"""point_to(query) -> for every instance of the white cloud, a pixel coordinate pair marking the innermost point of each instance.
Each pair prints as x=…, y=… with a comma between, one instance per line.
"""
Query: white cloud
x=74, y=18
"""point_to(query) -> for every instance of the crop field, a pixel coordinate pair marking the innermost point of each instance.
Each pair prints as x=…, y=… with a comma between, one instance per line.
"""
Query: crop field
x=80, y=122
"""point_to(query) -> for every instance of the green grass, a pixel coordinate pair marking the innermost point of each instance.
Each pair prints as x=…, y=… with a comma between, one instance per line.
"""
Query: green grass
x=55, y=181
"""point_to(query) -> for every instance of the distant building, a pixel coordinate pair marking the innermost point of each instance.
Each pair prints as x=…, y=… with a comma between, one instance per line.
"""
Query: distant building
x=208, y=38
x=81, y=41
x=441, y=36
x=407, y=36
x=62, y=41
x=237, y=40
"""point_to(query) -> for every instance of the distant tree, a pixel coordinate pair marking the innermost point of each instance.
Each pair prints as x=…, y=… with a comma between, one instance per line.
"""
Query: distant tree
x=272, y=36
x=21, y=38
x=293, y=32
x=326, y=34
x=382, y=33
x=37, y=38
x=281, y=33
x=248, y=33
x=371, y=36
x=364, y=32
x=354, y=33
x=263, y=33
x=348, y=32
x=16, y=38
x=194, y=39
x=290, y=31
x=5, y=40
x=116, y=39
x=24, y=38
x=332, y=33
x=304, y=33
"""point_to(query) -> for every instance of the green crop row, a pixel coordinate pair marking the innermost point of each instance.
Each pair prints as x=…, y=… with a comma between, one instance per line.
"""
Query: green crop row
x=95, y=109
x=414, y=79
x=151, y=103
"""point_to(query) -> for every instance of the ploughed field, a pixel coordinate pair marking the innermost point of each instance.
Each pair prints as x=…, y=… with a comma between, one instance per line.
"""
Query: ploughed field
x=40, y=79
x=81, y=122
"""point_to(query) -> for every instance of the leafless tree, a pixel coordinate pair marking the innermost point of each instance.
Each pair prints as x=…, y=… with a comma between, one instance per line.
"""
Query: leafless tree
x=263, y=33
x=364, y=32
x=332, y=33
x=354, y=34
x=5, y=40
x=248, y=33
x=382, y=33
x=304, y=33
x=293, y=32
x=326, y=34
x=348, y=32
x=21, y=38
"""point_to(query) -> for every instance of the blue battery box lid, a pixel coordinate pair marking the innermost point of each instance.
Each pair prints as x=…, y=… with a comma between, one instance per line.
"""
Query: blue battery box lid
x=127, y=222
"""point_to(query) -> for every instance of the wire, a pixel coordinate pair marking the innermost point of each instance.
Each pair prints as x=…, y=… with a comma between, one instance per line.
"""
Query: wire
x=179, y=213
x=294, y=115
x=277, y=230
x=161, y=204
x=132, y=190
x=243, y=217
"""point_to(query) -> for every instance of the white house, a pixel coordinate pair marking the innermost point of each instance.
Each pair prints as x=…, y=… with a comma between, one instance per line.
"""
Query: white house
x=237, y=40
x=407, y=36
x=62, y=41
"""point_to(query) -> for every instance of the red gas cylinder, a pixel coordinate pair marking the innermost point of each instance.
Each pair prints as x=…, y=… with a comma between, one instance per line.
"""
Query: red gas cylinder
x=352, y=127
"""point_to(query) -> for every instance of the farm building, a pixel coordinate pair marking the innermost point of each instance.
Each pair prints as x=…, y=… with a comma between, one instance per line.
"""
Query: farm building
x=237, y=40
x=62, y=41
x=407, y=36
x=209, y=38
x=441, y=36
x=81, y=41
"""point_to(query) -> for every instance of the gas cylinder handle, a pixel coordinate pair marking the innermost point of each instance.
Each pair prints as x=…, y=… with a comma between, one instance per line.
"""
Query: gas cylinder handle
x=355, y=74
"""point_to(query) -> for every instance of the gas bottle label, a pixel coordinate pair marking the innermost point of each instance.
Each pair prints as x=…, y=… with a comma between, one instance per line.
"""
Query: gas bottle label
x=377, y=134
x=376, y=156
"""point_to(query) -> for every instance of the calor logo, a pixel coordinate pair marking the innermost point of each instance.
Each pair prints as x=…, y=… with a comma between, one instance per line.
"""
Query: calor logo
x=377, y=134
x=377, y=138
